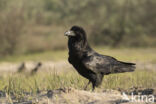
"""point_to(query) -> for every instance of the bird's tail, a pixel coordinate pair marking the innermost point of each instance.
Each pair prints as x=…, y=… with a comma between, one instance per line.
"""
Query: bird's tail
x=122, y=67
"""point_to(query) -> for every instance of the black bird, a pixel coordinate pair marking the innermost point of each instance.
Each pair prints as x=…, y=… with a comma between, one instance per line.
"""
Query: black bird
x=36, y=68
x=89, y=63
x=22, y=68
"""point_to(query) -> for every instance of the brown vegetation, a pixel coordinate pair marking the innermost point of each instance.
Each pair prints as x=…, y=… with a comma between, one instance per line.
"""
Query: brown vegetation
x=35, y=26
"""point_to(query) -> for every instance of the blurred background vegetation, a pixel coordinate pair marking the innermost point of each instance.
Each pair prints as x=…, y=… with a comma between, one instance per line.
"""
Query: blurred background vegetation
x=39, y=25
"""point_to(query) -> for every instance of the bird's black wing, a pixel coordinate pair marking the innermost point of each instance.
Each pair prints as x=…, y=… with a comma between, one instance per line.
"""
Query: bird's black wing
x=106, y=64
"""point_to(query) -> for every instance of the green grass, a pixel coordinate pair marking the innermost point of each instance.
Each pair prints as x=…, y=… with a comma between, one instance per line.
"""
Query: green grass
x=133, y=54
x=18, y=84
x=42, y=56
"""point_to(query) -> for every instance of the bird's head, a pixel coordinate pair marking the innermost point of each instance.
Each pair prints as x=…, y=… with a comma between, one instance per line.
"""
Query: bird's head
x=76, y=32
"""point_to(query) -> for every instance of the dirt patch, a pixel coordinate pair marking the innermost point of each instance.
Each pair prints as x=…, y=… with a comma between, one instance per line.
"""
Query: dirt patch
x=71, y=96
x=60, y=65
x=46, y=66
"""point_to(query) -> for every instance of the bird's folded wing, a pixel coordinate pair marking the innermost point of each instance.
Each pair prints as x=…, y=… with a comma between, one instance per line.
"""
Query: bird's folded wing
x=99, y=63
x=106, y=65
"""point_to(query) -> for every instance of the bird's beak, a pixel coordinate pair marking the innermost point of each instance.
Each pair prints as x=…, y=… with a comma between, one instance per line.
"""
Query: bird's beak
x=69, y=33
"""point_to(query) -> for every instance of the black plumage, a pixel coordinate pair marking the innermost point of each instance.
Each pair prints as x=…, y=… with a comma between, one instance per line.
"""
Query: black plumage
x=34, y=70
x=21, y=68
x=89, y=63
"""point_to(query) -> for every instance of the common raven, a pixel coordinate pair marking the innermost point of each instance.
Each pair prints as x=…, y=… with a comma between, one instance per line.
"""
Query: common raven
x=89, y=63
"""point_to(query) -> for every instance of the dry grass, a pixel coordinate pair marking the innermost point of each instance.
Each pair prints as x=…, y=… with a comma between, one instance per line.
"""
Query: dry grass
x=19, y=85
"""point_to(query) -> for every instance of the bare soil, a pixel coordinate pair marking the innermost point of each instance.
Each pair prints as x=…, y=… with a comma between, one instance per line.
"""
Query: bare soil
x=72, y=96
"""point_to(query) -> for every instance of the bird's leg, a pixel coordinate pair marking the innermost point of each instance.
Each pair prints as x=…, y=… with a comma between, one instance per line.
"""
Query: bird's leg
x=93, y=87
x=86, y=85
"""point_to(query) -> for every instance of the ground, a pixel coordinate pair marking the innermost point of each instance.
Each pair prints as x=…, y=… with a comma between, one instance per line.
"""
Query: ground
x=57, y=82
x=74, y=96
